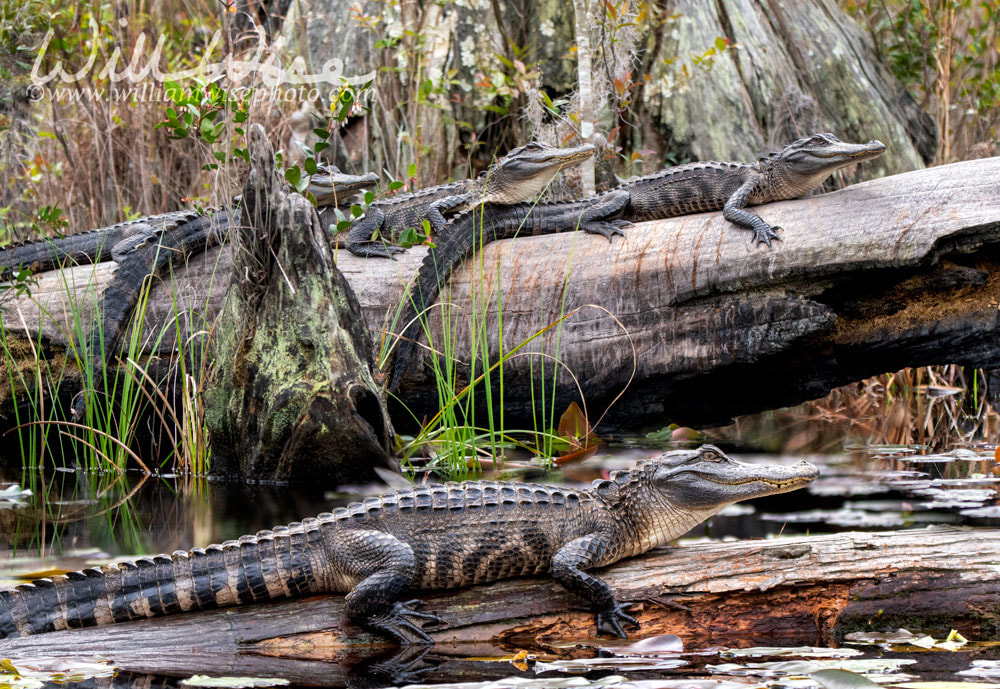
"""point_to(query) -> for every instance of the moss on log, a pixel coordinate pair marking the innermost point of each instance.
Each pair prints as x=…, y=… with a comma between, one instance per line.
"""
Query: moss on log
x=292, y=395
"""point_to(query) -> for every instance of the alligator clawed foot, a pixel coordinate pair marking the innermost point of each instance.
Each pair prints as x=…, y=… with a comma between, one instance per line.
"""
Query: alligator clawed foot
x=375, y=250
x=606, y=228
x=609, y=620
x=764, y=235
x=398, y=622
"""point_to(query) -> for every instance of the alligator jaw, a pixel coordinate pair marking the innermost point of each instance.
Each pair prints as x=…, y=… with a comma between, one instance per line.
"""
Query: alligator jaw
x=331, y=187
x=707, y=479
x=525, y=171
x=851, y=153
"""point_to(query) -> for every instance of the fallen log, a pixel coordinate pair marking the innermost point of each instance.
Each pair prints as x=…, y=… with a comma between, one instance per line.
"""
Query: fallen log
x=802, y=590
x=684, y=318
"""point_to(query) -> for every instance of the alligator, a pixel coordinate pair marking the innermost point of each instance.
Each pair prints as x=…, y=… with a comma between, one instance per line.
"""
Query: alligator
x=518, y=176
x=436, y=536
x=329, y=185
x=787, y=173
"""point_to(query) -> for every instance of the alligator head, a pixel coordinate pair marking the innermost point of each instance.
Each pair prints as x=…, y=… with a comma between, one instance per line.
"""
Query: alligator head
x=526, y=170
x=668, y=495
x=802, y=165
x=331, y=187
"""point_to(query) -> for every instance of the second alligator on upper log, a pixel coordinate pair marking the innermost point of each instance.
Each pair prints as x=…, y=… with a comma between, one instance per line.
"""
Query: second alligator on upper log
x=424, y=537
x=518, y=176
x=787, y=173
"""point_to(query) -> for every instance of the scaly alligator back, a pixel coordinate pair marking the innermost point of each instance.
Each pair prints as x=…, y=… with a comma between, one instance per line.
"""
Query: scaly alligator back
x=692, y=188
x=93, y=246
x=288, y=561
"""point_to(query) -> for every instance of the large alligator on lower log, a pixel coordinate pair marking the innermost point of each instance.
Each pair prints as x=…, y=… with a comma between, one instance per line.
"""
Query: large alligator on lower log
x=424, y=537
x=787, y=173
x=518, y=176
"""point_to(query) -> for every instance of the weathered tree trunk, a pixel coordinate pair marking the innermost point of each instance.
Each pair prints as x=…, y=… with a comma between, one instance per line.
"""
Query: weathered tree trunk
x=894, y=272
x=293, y=396
x=803, y=590
x=791, y=68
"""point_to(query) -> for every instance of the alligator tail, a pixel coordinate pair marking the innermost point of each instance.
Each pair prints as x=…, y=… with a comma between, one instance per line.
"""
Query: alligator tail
x=463, y=236
x=271, y=565
x=46, y=254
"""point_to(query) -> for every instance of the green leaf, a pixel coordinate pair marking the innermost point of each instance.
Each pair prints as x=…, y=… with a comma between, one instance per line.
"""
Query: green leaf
x=407, y=238
x=322, y=133
x=293, y=175
x=302, y=185
x=721, y=43
x=310, y=165
x=343, y=226
x=426, y=224
x=369, y=197
x=321, y=146
x=395, y=184
x=411, y=170
x=356, y=210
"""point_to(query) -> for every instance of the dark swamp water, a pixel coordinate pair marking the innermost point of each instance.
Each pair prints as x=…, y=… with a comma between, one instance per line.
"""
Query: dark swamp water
x=72, y=520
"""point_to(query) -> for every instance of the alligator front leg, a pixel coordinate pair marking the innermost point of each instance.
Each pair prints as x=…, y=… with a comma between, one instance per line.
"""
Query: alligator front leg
x=436, y=211
x=597, y=218
x=385, y=566
x=359, y=238
x=734, y=213
x=567, y=568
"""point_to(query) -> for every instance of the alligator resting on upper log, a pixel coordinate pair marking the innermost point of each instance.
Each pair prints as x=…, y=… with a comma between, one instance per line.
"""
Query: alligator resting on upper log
x=787, y=173
x=424, y=537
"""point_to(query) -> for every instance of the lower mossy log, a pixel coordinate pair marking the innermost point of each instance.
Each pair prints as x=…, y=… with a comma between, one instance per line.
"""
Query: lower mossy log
x=801, y=590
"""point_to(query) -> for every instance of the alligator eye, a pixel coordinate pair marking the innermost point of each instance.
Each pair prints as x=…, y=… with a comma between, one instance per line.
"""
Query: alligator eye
x=710, y=456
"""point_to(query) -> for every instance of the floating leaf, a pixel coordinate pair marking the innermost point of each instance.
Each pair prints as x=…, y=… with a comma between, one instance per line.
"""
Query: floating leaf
x=592, y=664
x=797, y=651
x=575, y=429
x=842, y=679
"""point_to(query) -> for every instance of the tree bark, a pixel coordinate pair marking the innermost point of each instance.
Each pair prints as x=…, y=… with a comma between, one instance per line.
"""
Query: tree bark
x=292, y=395
x=901, y=271
x=804, y=590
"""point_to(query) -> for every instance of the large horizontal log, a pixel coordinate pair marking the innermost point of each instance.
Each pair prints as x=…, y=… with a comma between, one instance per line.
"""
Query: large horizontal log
x=801, y=590
x=899, y=271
